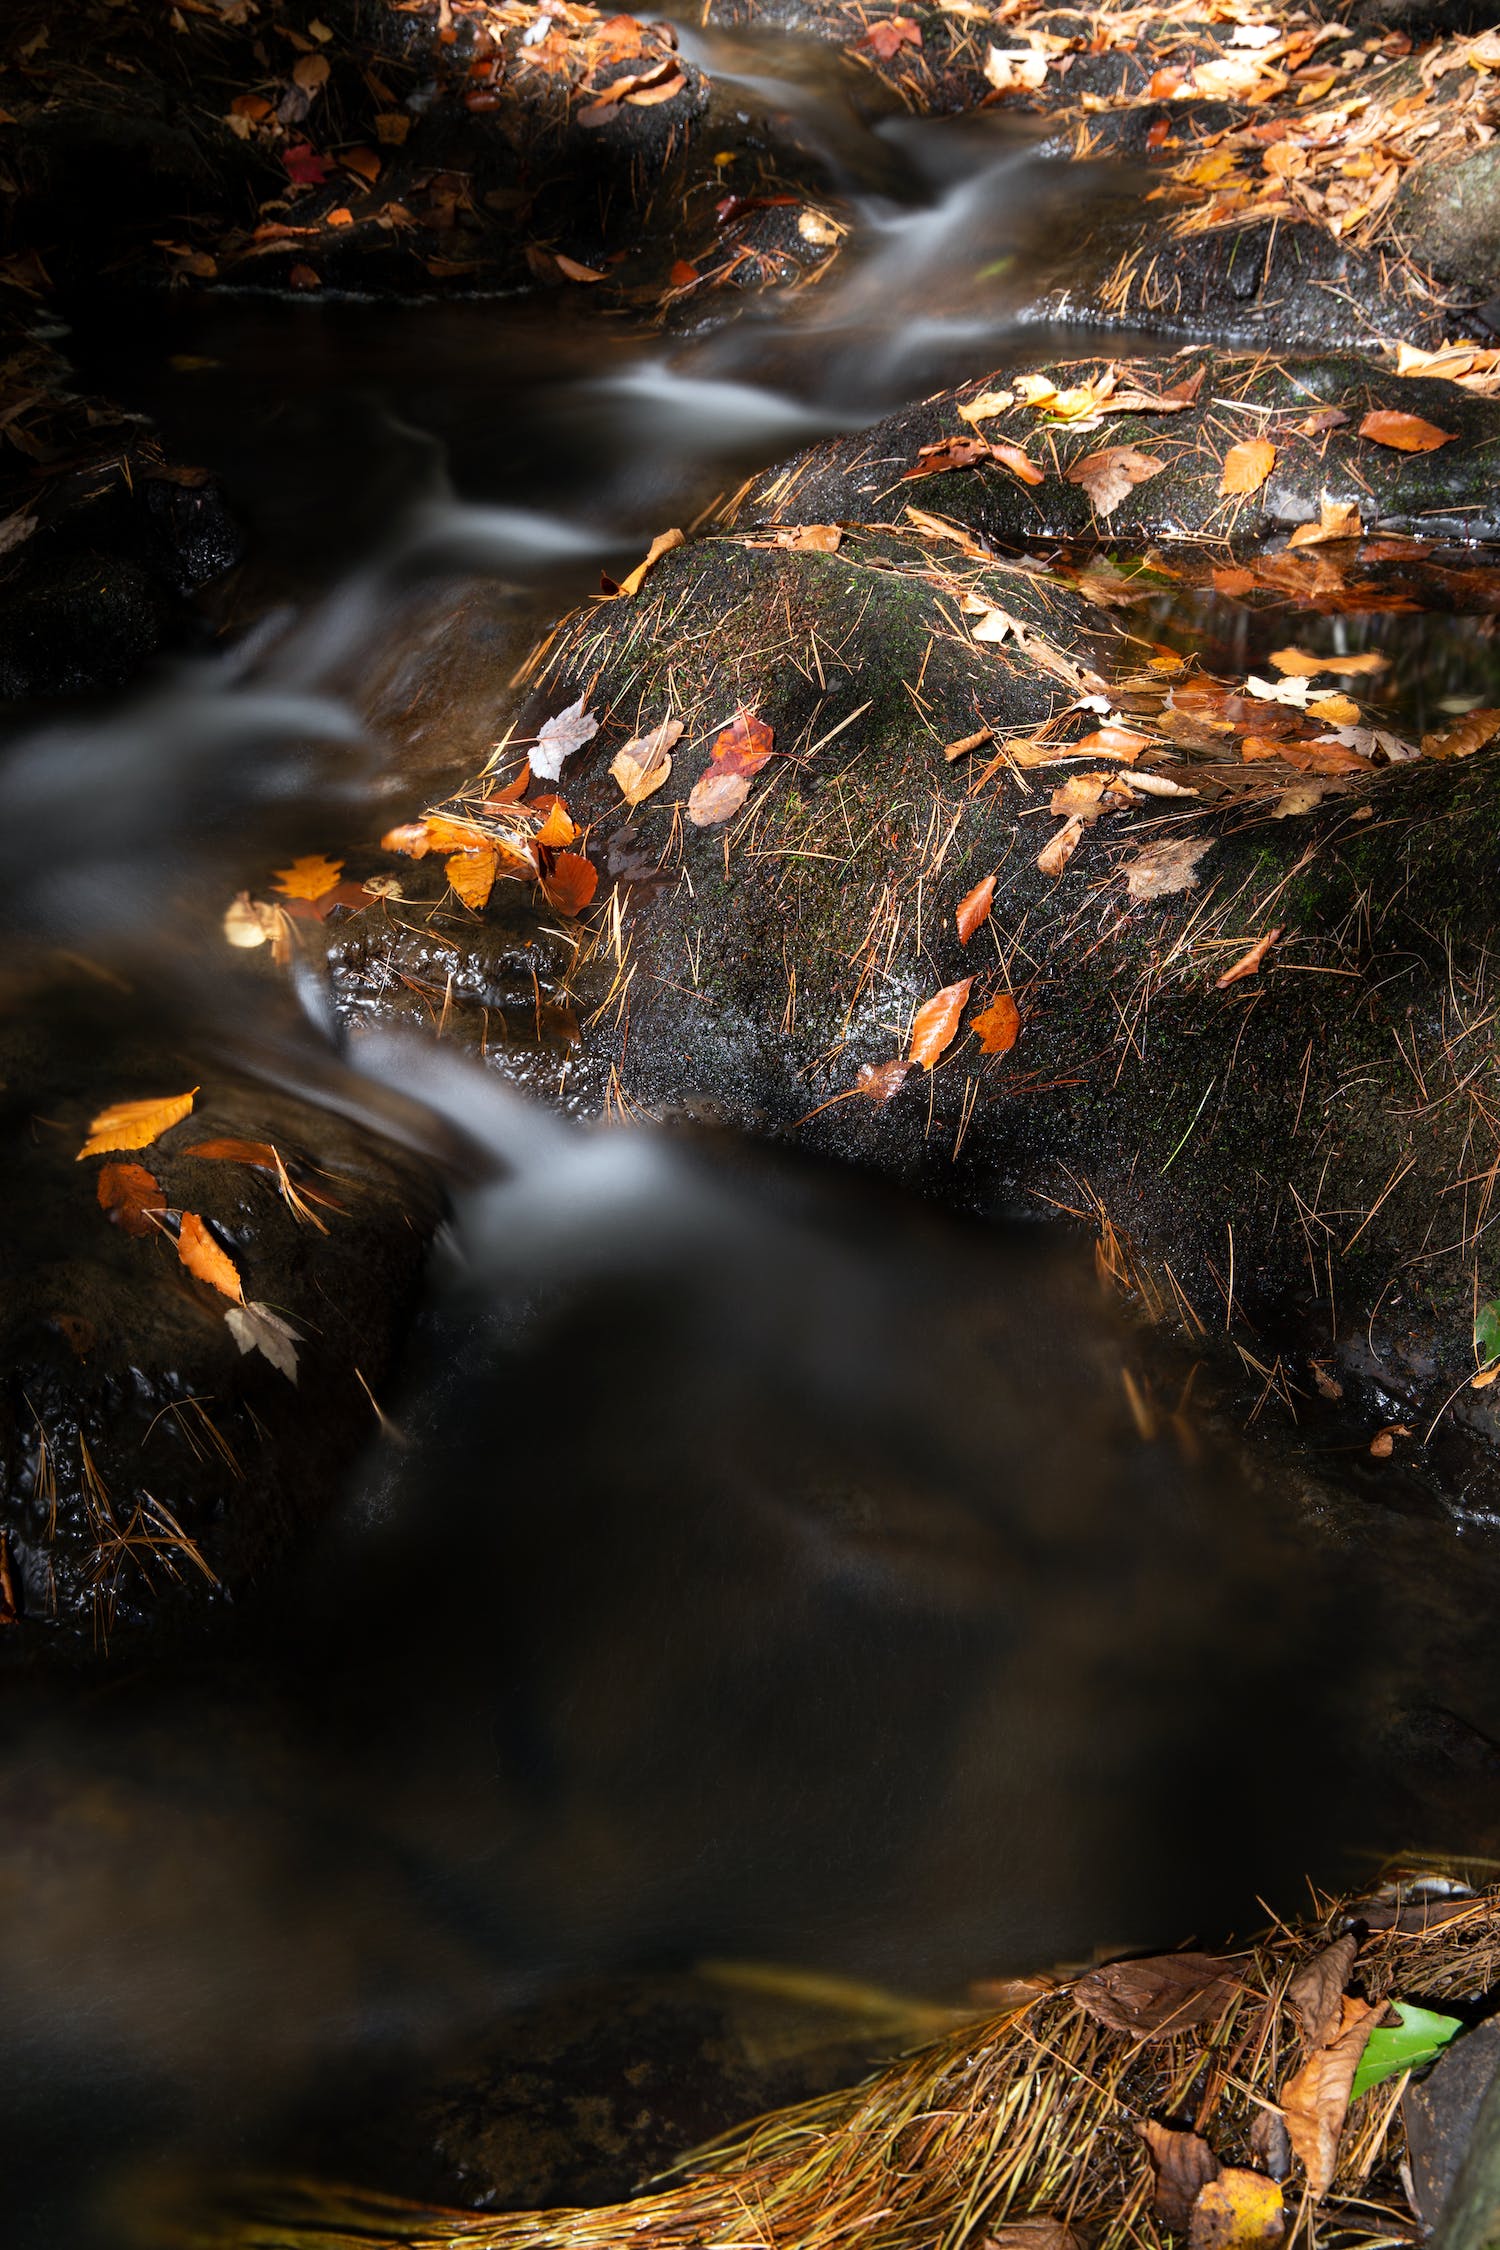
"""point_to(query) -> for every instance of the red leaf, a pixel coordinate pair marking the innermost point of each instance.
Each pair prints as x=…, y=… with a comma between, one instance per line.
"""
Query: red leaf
x=304, y=165
x=886, y=39
x=744, y=746
x=129, y=1194
x=936, y=1023
x=571, y=884
x=974, y=908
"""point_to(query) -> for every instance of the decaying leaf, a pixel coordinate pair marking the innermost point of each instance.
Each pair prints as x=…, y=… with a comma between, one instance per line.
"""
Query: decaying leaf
x=1154, y=1998
x=199, y=1252
x=1015, y=69
x=1163, y=868
x=1107, y=476
x=1464, y=737
x=744, y=746
x=255, y=1328
x=309, y=877
x=936, y=1022
x=717, y=796
x=260, y=1154
x=1240, y=2210
x=1269, y=2144
x=1337, y=519
x=1408, y=433
x=1315, y=1994
x=1184, y=2163
x=992, y=626
x=558, y=738
x=131, y=1197
x=998, y=1026
x=1019, y=463
x=134, y=1124
x=570, y=883
x=1315, y=2098
x=887, y=38
x=641, y=767
x=1060, y=847
x=1081, y=794
x=974, y=908
x=880, y=1081
x=472, y=874
x=1247, y=466
x=633, y=580
x=1032, y=2234
x=1248, y=963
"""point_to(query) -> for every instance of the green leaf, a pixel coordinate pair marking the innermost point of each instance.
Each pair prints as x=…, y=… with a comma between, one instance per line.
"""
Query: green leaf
x=1487, y=1332
x=1409, y=2045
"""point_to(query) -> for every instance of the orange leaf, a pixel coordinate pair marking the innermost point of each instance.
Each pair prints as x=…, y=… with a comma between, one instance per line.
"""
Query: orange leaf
x=744, y=746
x=574, y=271
x=129, y=1194
x=716, y=796
x=134, y=1124
x=1247, y=466
x=362, y=162
x=571, y=884
x=936, y=1022
x=661, y=545
x=557, y=828
x=1463, y=737
x=309, y=877
x=1248, y=963
x=472, y=875
x=204, y=1259
x=259, y=1153
x=1408, y=433
x=644, y=764
x=1337, y=519
x=1020, y=464
x=411, y=838
x=880, y=1081
x=947, y=453
x=1113, y=742
x=998, y=1026
x=809, y=538
x=969, y=742
x=974, y=908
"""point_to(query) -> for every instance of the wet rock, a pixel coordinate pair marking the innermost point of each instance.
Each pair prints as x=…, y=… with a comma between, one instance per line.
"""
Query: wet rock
x=1449, y=213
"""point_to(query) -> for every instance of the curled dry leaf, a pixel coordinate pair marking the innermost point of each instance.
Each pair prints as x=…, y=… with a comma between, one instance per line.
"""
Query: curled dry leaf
x=716, y=796
x=134, y=1124
x=1248, y=963
x=1107, y=476
x=998, y=1026
x=1060, y=847
x=1240, y=2210
x=1013, y=70
x=947, y=453
x=255, y=1328
x=199, y=1252
x=1163, y=868
x=571, y=884
x=472, y=875
x=644, y=764
x=974, y=908
x=1184, y=2163
x=1337, y=519
x=309, y=877
x=936, y=1022
x=994, y=625
x=880, y=1081
x=1408, y=433
x=1315, y=1994
x=557, y=739
x=633, y=580
x=1315, y=2098
x=131, y=1196
x=744, y=746
x=966, y=743
x=1246, y=467
x=1464, y=737
x=1151, y=1999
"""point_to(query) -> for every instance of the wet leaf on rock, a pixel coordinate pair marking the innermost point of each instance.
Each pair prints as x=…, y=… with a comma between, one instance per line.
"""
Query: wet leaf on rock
x=1154, y=1998
x=134, y=1124
x=571, y=884
x=1060, y=847
x=936, y=1023
x=1246, y=467
x=717, y=796
x=631, y=583
x=260, y=1154
x=744, y=746
x=1249, y=963
x=880, y=1082
x=998, y=1026
x=1163, y=868
x=947, y=453
x=986, y=406
x=1110, y=741
x=1019, y=463
x=644, y=764
x=255, y=1328
x=131, y=1196
x=1315, y=2099
x=1184, y=2164
x=1466, y=735
x=1408, y=433
x=1337, y=519
x=1015, y=69
x=472, y=874
x=809, y=538
x=974, y=908
x=1240, y=2210
x=1315, y=1994
x=1107, y=476
x=199, y=1252
x=559, y=737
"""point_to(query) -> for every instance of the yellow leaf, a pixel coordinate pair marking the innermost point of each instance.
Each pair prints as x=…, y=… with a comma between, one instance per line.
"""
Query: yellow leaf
x=661, y=545
x=204, y=1259
x=1333, y=710
x=1240, y=2210
x=472, y=875
x=134, y=1124
x=1337, y=519
x=1247, y=466
x=309, y=877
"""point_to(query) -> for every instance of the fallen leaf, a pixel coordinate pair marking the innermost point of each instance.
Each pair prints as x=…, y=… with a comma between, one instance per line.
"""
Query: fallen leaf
x=1020, y=464
x=1110, y=741
x=250, y=921
x=1151, y=1999
x=1315, y=1994
x=992, y=626
x=1060, y=847
x=259, y=1153
x=644, y=764
x=809, y=538
x=558, y=738
x=885, y=39
x=717, y=796
x=744, y=746
x=1315, y=2099
x=1109, y=475
x=255, y=1328
x=472, y=874
x=947, y=453
x=1334, y=710
x=1248, y=963
x=309, y=877
x=1269, y=2144
x=203, y=1258
x=1412, y=2042
x=130, y=1195
x=966, y=743
x=1247, y=466
x=974, y=908
x=936, y=1022
x=1081, y=793
x=134, y=1124
x=558, y=828
x=571, y=884
x=1163, y=868
x=1337, y=519
x=998, y=1026
x=1031, y=2234
x=986, y=406
x=1184, y=2164
x=1015, y=69
x=881, y=1081
x=411, y=838
x=1408, y=433
x=631, y=583
x=1464, y=737
x=574, y=271
x=310, y=72
x=1303, y=662
x=1240, y=2210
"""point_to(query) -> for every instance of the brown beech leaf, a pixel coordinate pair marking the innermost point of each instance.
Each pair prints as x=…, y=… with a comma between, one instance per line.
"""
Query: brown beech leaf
x=1107, y=476
x=309, y=877
x=1315, y=2099
x=134, y=1124
x=259, y=1153
x=1246, y=467
x=1060, y=847
x=885, y=39
x=1248, y=963
x=1031, y=2234
x=936, y=1022
x=1113, y=742
x=1240, y=2210
x=998, y=1026
x=472, y=875
x=716, y=796
x=1337, y=519
x=744, y=746
x=1019, y=463
x=130, y=1195
x=1315, y=1994
x=571, y=884
x=947, y=453
x=1408, y=433
x=1464, y=737
x=880, y=1081
x=974, y=908
x=204, y=1259
x=1151, y=1999
x=641, y=767
x=558, y=828
x=1163, y=868
x=1184, y=2163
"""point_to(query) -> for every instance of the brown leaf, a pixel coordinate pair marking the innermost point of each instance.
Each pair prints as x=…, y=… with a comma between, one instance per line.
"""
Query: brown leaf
x=129, y=1194
x=1247, y=466
x=1315, y=2099
x=1337, y=519
x=1316, y=1993
x=1240, y=2210
x=1060, y=847
x=259, y=1153
x=1081, y=793
x=204, y=1259
x=1107, y=476
x=884, y=39
x=974, y=908
x=1463, y=737
x=1151, y=1999
x=744, y=746
x=309, y=877
x=936, y=1022
x=947, y=453
x=1113, y=742
x=1019, y=463
x=661, y=545
x=472, y=875
x=809, y=538
x=1269, y=2144
x=310, y=72
x=998, y=1026
x=641, y=767
x=1248, y=963
x=1408, y=433
x=967, y=743
x=134, y=1124
x=880, y=1081
x=1183, y=2163
x=256, y=1328
x=571, y=884
x=1032, y=2234
x=1163, y=868
x=716, y=796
